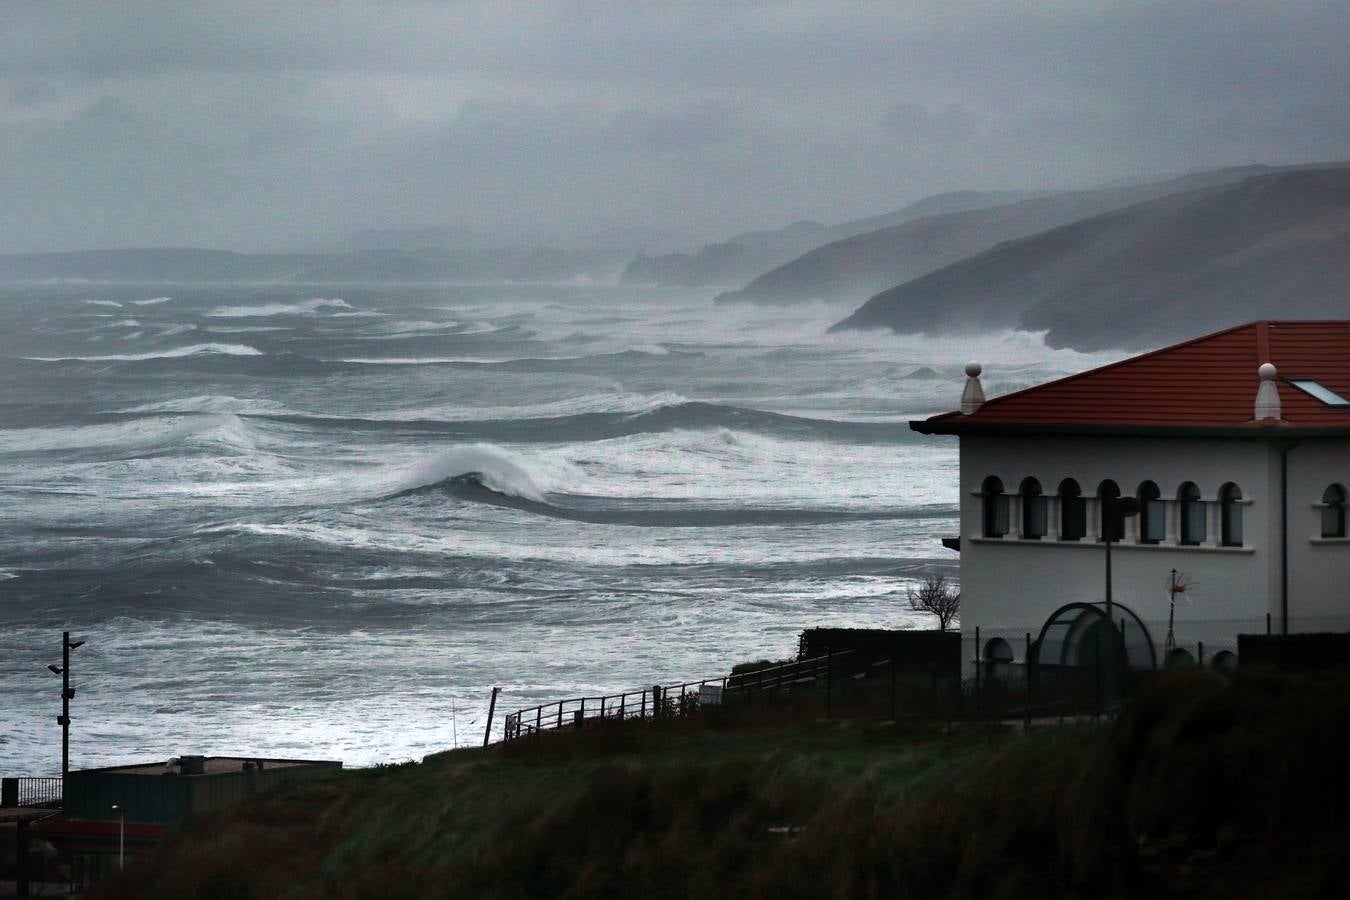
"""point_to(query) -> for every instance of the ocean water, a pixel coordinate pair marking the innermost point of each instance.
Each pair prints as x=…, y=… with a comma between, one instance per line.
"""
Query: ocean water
x=324, y=521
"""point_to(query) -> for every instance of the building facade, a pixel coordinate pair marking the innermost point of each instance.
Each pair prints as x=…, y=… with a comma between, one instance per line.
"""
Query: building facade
x=1236, y=447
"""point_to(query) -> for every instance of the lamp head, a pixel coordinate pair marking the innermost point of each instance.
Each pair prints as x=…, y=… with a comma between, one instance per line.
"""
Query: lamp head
x=73, y=644
x=56, y=670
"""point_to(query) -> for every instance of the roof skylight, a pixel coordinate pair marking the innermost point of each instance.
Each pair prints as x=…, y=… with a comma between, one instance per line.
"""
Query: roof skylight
x=1320, y=391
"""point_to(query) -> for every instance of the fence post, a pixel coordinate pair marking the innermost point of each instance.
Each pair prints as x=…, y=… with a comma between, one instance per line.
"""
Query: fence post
x=583, y=708
x=829, y=684
x=1124, y=659
x=894, y=646
x=1200, y=654
x=1097, y=677
x=539, y=718
x=1026, y=708
x=978, y=706
x=492, y=708
x=656, y=701
x=1267, y=624
x=21, y=858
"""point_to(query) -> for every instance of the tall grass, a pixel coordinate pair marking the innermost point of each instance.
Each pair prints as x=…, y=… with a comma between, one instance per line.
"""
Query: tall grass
x=1202, y=787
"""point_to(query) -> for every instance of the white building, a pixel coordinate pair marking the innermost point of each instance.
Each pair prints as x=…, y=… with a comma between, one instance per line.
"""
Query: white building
x=1237, y=446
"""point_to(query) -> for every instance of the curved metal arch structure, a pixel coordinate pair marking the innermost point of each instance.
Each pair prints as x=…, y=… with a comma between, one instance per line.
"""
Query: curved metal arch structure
x=1076, y=633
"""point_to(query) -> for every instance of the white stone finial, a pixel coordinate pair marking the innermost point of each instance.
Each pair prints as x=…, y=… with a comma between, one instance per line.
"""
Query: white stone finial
x=1267, y=395
x=972, y=398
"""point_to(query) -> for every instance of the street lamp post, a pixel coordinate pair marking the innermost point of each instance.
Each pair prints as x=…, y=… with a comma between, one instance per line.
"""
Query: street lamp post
x=67, y=694
x=121, y=835
x=1116, y=510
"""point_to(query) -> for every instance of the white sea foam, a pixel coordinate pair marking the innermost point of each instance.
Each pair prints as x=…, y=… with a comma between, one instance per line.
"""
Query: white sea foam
x=153, y=301
x=209, y=403
x=604, y=402
x=307, y=308
x=178, y=352
x=216, y=430
x=417, y=360
x=103, y=303
x=245, y=329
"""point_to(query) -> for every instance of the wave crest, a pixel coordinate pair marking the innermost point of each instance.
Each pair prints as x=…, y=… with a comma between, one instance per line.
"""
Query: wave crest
x=492, y=467
x=176, y=353
x=307, y=308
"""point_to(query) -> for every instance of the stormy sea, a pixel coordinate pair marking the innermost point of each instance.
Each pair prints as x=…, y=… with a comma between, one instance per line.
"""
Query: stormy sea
x=324, y=521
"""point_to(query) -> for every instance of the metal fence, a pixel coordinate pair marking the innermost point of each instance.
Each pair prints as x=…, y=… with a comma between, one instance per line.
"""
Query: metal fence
x=31, y=792
x=677, y=699
x=1003, y=675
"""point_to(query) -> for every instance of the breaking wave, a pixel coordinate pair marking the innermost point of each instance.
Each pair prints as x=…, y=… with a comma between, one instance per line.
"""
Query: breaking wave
x=497, y=470
x=595, y=426
x=484, y=488
x=308, y=307
x=221, y=431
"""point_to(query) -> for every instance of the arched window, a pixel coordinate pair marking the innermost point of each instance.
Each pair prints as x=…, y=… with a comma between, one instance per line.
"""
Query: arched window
x=1192, y=514
x=1033, y=510
x=1230, y=515
x=1112, y=526
x=1333, y=512
x=1072, y=511
x=1152, y=514
x=995, y=508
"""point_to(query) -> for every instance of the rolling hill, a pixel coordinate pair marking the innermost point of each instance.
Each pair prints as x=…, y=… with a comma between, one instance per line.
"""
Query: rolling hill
x=859, y=266
x=1270, y=245
x=746, y=255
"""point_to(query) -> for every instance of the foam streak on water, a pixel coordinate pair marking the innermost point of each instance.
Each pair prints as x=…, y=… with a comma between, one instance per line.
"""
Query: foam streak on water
x=385, y=502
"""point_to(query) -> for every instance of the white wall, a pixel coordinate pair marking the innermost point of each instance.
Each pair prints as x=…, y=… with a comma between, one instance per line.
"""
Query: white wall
x=1319, y=569
x=1010, y=586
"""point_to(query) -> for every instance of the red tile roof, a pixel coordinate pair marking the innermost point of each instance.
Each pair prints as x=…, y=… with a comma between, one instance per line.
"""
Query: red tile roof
x=1206, y=385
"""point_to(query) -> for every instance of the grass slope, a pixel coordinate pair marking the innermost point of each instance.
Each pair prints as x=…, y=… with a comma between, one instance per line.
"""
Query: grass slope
x=1201, y=788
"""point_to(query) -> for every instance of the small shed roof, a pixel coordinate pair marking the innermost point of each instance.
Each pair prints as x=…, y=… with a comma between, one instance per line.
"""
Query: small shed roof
x=1204, y=387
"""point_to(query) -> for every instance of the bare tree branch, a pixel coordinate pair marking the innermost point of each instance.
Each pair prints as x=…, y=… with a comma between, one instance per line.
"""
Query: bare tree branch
x=937, y=597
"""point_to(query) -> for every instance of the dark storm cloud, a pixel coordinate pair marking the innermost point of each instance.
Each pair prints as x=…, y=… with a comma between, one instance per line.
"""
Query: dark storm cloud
x=254, y=124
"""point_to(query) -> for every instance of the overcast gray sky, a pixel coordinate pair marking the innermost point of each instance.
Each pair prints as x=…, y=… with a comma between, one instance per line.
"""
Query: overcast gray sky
x=254, y=125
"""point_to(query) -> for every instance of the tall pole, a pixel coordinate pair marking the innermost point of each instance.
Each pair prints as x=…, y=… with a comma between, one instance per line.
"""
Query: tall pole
x=121, y=835
x=65, y=709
